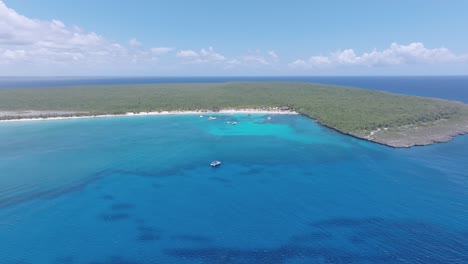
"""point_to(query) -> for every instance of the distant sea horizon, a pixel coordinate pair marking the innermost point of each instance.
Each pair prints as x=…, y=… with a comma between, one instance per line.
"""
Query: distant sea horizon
x=444, y=87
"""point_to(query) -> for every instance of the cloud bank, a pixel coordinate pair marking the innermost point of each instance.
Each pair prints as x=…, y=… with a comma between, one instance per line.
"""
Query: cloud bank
x=25, y=41
x=49, y=47
x=204, y=56
x=413, y=53
x=211, y=57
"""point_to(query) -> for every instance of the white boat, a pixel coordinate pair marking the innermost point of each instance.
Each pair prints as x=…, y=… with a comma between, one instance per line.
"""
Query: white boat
x=201, y=116
x=211, y=118
x=215, y=163
x=234, y=123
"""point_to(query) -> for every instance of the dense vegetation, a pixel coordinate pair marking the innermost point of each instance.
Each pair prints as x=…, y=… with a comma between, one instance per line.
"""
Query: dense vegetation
x=351, y=110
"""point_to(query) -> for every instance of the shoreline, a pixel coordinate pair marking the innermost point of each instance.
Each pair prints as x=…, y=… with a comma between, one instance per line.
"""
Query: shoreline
x=438, y=138
x=441, y=138
x=155, y=113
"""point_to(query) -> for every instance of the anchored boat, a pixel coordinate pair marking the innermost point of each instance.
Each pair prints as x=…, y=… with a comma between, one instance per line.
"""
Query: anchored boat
x=215, y=163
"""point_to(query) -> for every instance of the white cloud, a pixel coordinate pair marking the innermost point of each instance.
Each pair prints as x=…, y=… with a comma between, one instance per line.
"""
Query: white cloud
x=161, y=50
x=273, y=55
x=253, y=59
x=233, y=62
x=32, y=46
x=413, y=53
x=134, y=42
x=257, y=58
x=31, y=43
x=50, y=47
x=211, y=56
x=187, y=54
x=17, y=30
x=204, y=56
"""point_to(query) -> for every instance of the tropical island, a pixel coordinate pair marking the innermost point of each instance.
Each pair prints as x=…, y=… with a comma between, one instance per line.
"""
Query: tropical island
x=391, y=119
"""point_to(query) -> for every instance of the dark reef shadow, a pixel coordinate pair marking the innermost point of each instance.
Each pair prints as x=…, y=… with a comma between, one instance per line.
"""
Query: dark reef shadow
x=139, y=221
x=107, y=197
x=310, y=237
x=171, y=172
x=192, y=238
x=375, y=240
x=114, y=217
x=121, y=206
x=52, y=193
x=219, y=179
x=346, y=222
x=263, y=181
x=65, y=260
x=148, y=234
x=19, y=262
x=82, y=184
x=254, y=171
x=156, y=185
x=116, y=260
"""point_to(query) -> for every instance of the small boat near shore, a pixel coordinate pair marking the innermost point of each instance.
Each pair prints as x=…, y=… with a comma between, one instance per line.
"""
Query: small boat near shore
x=211, y=118
x=215, y=163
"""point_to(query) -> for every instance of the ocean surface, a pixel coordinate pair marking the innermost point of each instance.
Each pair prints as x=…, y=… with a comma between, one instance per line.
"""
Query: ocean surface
x=446, y=87
x=140, y=190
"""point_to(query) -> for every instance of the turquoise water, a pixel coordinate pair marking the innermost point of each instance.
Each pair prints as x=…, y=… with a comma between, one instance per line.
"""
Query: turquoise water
x=139, y=190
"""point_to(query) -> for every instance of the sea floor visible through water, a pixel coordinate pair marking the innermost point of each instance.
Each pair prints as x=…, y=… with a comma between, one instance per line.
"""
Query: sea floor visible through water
x=141, y=190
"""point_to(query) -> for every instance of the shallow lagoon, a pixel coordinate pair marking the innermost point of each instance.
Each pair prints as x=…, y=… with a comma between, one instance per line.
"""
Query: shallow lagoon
x=140, y=190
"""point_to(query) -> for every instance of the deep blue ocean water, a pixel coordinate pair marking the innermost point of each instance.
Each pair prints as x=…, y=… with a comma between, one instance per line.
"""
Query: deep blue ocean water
x=139, y=190
x=446, y=87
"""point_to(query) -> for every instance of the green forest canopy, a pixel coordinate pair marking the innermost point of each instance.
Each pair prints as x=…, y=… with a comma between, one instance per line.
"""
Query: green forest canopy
x=351, y=110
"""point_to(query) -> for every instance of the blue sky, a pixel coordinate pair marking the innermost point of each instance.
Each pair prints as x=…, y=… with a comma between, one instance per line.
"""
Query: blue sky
x=143, y=37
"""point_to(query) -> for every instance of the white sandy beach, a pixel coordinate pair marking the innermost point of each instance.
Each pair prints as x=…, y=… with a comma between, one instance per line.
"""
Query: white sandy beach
x=197, y=112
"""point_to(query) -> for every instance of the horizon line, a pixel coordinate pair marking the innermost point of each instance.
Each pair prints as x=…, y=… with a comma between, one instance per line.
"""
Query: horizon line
x=219, y=76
